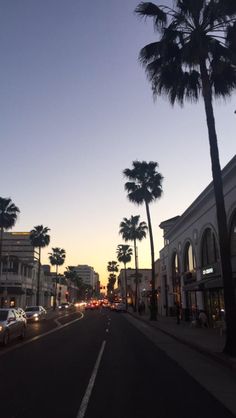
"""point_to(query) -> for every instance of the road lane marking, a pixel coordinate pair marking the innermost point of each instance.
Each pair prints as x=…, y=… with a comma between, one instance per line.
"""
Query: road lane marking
x=37, y=337
x=85, y=400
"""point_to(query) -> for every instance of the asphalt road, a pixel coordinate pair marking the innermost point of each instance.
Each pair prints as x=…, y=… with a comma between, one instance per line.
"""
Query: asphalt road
x=99, y=367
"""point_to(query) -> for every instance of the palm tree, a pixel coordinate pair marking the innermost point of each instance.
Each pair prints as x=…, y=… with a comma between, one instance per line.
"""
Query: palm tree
x=8, y=217
x=57, y=258
x=124, y=254
x=39, y=238
x=196, y=53
x=133, y=230
x=113, y=267
x=145, y=187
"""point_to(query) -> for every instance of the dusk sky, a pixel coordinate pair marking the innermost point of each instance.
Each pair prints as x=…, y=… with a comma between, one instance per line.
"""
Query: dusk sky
x=76, y=109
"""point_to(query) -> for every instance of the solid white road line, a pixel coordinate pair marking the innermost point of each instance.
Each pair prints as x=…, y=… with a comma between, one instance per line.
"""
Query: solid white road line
x=85, y=400
x=40, y=336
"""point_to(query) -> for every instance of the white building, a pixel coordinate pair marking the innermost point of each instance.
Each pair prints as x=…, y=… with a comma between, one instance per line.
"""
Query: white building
x=190, y=270
x=19, y=272
x=87, y=274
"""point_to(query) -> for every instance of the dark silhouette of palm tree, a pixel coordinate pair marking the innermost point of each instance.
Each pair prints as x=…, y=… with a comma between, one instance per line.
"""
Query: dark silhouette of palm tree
x=196, y=54
x=8, y=216
x=112, y=267
x=144, y=186
x=124, y=254
x=57, y=258
x=133, y=230
x=39, y=238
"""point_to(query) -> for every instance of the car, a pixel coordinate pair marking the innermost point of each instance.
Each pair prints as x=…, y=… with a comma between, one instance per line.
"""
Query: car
x=120, y=307
x=11, y=325
x=64, y=305
x=35, y=313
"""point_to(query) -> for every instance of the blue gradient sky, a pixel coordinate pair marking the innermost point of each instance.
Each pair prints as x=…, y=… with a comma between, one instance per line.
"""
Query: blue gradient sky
x=76, y=109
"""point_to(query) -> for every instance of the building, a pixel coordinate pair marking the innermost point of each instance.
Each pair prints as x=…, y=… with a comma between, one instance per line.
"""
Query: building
x=190, y=269
x=88, y=276
x=19, y=272
x=144, y=284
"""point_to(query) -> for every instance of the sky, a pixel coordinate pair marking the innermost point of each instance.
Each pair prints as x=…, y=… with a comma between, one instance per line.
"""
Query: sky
x=76, y=109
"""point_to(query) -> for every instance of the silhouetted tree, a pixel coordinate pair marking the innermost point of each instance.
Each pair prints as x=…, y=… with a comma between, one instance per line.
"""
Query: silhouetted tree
x=133, y=230
x=57, y=258
x=124, y=254
x=145, y=186
x=195, y=54
x=39, y=238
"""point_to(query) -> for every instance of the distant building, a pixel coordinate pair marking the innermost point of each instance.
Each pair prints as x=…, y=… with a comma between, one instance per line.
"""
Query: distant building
x=144, y=284
x=88, y=275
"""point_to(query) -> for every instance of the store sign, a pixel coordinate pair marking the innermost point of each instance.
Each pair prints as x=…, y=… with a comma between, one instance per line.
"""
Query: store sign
x=207, y=271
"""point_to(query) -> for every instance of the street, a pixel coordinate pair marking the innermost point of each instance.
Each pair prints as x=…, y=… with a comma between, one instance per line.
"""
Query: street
x=100, y=366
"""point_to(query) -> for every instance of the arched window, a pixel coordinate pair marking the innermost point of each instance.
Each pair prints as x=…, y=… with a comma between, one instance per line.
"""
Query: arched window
x=175, y=265
x=176, y=278
x=209, y=248
x=233, y=236
x=189, y=259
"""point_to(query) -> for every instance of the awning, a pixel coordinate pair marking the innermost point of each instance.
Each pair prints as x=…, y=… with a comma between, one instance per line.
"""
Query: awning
x=12, y=290
x=211, y=283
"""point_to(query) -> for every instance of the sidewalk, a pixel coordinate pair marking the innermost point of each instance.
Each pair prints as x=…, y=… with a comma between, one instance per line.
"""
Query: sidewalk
x=209, y=341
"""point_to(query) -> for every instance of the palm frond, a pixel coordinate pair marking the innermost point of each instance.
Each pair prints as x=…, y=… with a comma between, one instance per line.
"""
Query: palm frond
x=148, y=9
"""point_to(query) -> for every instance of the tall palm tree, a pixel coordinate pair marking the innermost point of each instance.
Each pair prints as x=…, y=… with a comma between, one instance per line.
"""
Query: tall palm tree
x=39, y=238
x=113, y=267
x=144, y=186
x=8, y=217
x=133, y=230
x=196, y=54
x=124, y=254
x=57, y=258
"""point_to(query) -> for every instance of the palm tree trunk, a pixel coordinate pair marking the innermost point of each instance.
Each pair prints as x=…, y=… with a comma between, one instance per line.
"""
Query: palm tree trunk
x=55, y=297
x=224, y=243
x=126, y=302
x=136, y=277
x=153, y=307
x=38, y=281
x=1, y=240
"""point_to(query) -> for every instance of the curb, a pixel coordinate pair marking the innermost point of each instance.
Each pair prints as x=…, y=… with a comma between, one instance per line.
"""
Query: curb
x=219, y=358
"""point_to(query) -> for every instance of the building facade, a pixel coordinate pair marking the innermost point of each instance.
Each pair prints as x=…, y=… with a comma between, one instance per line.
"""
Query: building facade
x=19, y=272
x=190, y=268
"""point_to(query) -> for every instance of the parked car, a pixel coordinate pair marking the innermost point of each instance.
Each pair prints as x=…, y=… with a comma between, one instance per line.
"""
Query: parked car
x=11, y=325
x=35, y=313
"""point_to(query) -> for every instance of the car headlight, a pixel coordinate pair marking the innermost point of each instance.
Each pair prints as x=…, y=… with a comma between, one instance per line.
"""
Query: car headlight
x=1, y=328
x=59, y=307
x=35, y=315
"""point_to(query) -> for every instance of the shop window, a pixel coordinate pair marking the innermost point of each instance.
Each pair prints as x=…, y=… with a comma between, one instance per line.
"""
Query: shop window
x=233, y=236
x=209, y=248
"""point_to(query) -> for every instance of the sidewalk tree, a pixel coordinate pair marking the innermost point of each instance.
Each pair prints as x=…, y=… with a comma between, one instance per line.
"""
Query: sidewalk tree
x=195, y=54
x=124, y=254
x=145, y=186
x=133, y=230
x=112, y=267
x=8, y=216
x=39, y=239
x=57, y=258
